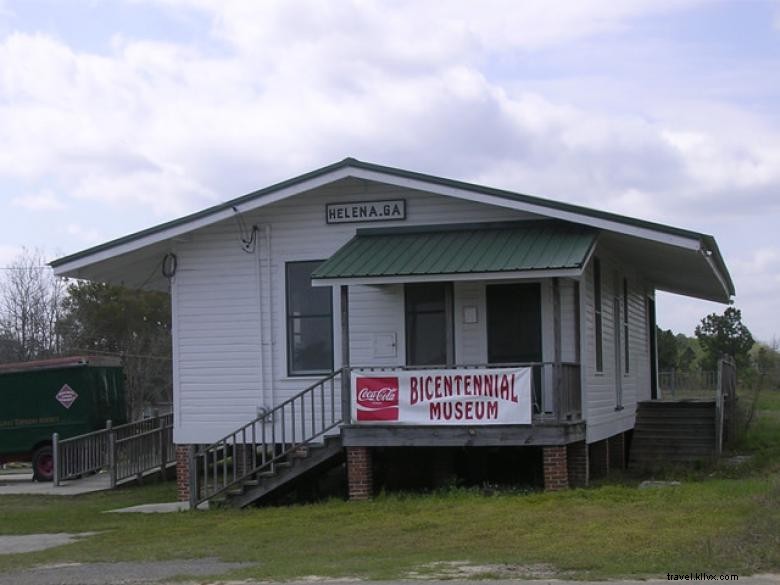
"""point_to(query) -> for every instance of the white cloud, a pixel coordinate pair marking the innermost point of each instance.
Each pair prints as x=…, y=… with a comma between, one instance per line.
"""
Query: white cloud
x=417, y=30
x=86, y=236
x=8, y=254
x=45, y=200
x=170, y=128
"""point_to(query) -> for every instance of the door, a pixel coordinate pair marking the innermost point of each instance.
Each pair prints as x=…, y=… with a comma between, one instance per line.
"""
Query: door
x=514, y=328
x=429, y=324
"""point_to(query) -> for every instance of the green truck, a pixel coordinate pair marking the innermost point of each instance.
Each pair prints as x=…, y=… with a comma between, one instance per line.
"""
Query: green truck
x=70, y=396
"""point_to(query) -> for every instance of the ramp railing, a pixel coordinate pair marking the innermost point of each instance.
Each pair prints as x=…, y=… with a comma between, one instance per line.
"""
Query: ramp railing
x=124, y=451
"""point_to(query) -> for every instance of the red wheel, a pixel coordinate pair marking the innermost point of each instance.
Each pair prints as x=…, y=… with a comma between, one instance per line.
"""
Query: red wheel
x=43, y=464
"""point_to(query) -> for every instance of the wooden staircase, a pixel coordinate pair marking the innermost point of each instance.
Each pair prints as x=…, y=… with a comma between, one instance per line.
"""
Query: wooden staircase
x=296, y=437
x=303, y=461
x=670, y=432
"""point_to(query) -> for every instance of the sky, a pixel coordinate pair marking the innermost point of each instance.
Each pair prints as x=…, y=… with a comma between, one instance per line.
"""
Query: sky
x=119, y=115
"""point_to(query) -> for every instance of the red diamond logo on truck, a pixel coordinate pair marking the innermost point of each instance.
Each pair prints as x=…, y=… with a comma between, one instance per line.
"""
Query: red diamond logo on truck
x=66, y=396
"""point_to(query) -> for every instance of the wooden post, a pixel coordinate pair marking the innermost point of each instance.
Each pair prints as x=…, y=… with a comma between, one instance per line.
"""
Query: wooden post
x=55, y=452
x=719, y=406
x=556, y=373
x=163, y=432
x=345, y=372
x=192, y=476
x=111, y=454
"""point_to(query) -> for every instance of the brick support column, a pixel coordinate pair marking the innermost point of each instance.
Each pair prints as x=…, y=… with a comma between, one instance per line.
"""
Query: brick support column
x=599, y=459
x=556, y=472
x=183, y=472
x=577, y=459
x=617, y=451
x=360, y=477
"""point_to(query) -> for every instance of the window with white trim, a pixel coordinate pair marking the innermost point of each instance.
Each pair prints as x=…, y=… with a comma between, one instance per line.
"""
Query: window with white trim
x=309, y=321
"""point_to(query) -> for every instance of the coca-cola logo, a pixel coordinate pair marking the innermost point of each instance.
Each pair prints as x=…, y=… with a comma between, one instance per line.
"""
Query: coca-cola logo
x=377, y=399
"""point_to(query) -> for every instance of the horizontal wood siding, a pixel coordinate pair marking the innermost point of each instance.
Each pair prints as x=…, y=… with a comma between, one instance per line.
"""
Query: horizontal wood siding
x=221, y=335
x=216, y=335
x=568, y=321
x=603, y=416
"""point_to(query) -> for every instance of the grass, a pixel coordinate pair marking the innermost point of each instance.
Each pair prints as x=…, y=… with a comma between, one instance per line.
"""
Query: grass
x=716, y=523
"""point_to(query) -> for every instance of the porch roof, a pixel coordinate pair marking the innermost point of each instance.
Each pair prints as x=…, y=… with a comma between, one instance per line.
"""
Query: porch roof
x=489, y=250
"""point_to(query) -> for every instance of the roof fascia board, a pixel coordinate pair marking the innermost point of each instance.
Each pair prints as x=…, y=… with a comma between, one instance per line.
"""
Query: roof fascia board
x=714, y=299
x=717, y=273
x=366, y=171
x=197, y=223
x=462, y=277
x=462, y=193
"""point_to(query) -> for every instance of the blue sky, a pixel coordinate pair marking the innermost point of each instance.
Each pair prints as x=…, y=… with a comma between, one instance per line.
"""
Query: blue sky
x=118, y=115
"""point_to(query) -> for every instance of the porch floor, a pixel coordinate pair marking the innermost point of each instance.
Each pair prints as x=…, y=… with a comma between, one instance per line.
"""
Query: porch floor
x=537, y=434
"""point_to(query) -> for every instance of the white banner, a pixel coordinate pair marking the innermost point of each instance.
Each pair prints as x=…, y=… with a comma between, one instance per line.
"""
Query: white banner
x=443, y=397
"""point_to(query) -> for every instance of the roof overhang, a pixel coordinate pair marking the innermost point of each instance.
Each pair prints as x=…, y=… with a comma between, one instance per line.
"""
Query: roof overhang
x=110, y=261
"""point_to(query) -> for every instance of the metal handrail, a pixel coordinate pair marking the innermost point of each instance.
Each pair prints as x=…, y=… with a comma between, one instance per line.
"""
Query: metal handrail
x=259, y=445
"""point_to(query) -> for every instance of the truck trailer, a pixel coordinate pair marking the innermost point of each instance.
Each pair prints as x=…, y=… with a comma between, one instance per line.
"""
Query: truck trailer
x=69, y=396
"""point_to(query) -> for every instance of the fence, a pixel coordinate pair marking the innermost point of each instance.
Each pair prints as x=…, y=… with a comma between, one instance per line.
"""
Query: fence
x=125, y=451
x=726, y=404
x=676, y=385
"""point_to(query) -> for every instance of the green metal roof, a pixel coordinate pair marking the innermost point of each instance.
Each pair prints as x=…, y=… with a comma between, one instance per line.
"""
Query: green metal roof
x=461, y=249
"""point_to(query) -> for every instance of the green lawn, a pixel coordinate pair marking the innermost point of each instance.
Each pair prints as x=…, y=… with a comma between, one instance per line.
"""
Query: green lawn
x=717, y=524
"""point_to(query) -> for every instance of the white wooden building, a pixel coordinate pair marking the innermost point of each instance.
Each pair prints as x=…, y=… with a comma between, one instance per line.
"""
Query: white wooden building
x=357, y=266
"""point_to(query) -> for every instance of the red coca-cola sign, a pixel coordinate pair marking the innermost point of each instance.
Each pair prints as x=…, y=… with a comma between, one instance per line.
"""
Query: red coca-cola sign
x=377, y=398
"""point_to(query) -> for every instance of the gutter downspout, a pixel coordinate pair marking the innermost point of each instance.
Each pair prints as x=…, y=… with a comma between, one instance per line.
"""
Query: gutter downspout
x=260, y=302
x=271, y=330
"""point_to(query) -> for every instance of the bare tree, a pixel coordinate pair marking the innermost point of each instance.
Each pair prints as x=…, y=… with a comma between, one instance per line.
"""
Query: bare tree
x=30, y=306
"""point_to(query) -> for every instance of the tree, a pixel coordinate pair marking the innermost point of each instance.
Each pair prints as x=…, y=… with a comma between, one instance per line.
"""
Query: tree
x=30, y=306
x=133, y=324
x=725, y=335
x=667, y=349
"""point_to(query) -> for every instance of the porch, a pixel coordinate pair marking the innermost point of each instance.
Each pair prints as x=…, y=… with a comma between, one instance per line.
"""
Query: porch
x=556, y=412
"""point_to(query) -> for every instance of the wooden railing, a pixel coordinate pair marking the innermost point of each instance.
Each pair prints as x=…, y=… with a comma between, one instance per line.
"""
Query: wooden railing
x=261, y=444
x=125, y=451
x=676, y=384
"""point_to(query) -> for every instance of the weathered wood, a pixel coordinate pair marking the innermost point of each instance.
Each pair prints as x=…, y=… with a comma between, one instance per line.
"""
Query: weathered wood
x=441, y=436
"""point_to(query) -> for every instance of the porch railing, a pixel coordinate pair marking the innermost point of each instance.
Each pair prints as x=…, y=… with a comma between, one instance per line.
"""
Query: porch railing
x=124, y=451
x=677, y=385
x=263, y=443
x=555, y=387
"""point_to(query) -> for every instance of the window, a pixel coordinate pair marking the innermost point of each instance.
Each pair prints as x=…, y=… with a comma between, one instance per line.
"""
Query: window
x=309, y=322
x=626, y=368
x=429, y=324
x=597, y=314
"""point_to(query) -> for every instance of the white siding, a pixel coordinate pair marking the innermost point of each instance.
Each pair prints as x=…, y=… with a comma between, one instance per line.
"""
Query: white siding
x=569, y=311
x=602, y=416
x=230, y=332
x=229, y=322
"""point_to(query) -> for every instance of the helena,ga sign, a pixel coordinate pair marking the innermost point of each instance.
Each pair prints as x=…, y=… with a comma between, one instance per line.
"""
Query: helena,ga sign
x=444, y=397
x=360, y=211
